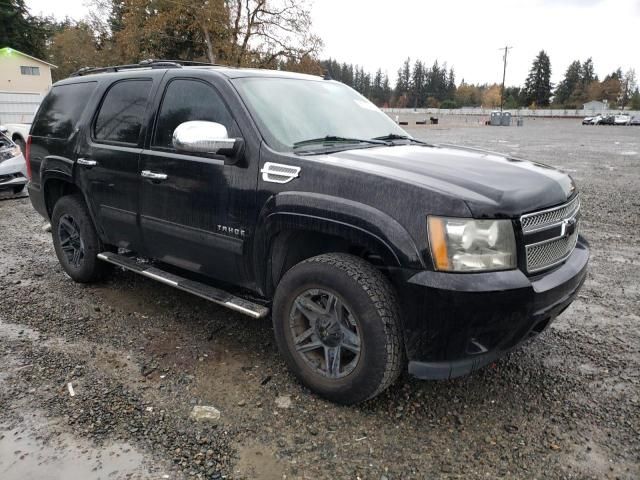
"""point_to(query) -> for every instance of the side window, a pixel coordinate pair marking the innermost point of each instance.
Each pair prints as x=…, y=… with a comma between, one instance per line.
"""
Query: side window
x=186, y=100
x=61, y=109
x=121, y=113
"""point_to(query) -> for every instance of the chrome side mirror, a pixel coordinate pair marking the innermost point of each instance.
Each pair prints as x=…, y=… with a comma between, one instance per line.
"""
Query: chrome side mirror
x=203, y=137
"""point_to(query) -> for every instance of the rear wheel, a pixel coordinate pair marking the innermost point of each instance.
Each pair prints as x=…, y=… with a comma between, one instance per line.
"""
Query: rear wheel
x=76, y=241
x=336, y=324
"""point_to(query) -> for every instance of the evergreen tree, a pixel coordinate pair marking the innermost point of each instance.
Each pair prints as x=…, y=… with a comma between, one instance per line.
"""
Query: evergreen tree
x=402, y=84
x=588, y=73
x=538, y=85
x=416, y=88
x=573, y=78
x=386, y=90
x=21, y=31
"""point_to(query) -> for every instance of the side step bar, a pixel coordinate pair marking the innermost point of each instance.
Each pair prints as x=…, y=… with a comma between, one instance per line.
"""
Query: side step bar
x=196, y=288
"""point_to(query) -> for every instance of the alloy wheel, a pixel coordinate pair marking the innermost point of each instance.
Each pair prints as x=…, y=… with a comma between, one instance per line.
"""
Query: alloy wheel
x=325, y=333
x=70, y=240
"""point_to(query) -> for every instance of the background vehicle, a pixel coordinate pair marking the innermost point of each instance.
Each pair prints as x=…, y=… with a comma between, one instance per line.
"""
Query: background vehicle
x=635, y=120
x=621, y=119
x=607, y=119
x=18, y=132
x=13, y=169
x=274, y=192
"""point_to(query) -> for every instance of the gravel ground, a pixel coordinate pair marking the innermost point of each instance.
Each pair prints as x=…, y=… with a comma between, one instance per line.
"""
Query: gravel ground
x=139, y=356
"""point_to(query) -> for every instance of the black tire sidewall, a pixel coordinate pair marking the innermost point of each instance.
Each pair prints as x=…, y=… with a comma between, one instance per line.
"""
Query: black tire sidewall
x=369, y=373
x=91, y=268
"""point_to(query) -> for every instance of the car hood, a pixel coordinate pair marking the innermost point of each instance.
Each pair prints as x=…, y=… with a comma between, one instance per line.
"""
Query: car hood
x=492, y=185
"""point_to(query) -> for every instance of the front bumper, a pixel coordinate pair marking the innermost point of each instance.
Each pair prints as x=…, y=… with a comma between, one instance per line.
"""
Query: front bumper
x=13, y=173
x=457, y=323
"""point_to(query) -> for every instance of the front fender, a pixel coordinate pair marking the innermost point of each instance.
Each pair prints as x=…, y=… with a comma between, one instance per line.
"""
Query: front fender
x=353, y=221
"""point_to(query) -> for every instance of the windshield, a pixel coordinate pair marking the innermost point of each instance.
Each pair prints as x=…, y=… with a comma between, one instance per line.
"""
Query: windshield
x=293, y=111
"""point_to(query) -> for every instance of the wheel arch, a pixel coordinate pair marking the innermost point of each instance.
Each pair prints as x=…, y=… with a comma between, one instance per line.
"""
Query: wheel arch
x=294, y=226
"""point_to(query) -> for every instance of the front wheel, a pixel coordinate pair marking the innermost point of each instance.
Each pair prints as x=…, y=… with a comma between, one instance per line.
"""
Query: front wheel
x=76, y=241
x=336, y=321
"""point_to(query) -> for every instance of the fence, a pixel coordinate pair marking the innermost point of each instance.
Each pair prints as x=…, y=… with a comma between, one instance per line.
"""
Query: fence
x=522, y=112
x=18, y=107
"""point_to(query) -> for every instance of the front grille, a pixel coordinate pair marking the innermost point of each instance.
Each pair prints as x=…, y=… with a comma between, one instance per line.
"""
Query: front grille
x=559, y=229
x=551, y=216
x=545, y=255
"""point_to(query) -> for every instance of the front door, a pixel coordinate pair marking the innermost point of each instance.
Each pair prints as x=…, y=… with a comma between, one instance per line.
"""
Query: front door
x=194, y=209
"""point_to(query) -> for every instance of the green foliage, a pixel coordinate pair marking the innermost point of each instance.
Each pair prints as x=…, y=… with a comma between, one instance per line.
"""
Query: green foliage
x=21, y=31
x=635, y=100
x=449, y=104
x=538, y=84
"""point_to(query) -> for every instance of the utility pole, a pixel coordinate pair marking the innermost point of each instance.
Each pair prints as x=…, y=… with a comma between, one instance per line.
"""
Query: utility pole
x=504, y=74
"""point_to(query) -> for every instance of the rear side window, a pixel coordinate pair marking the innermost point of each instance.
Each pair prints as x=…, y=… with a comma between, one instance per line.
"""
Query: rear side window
x=122, y=110
x=186, y=100
x=61, y=110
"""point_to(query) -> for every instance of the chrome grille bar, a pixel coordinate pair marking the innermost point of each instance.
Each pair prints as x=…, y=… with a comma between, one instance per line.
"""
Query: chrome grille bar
x=564, y=219
x=552, y=216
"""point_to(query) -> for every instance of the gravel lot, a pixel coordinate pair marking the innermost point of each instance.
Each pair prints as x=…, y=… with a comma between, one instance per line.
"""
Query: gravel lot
x=140, y=355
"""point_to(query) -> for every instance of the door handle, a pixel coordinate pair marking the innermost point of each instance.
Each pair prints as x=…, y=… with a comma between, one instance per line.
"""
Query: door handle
x=153, y=175
x=86, y=162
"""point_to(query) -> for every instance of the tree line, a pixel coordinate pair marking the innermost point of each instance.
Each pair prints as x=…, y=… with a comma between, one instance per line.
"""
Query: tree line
x=277, y=34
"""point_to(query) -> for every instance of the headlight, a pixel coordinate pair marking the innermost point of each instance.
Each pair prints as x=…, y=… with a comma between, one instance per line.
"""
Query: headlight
x=468, y=245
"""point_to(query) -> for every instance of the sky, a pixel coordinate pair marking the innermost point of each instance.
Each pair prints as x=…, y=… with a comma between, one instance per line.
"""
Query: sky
x=467, y=34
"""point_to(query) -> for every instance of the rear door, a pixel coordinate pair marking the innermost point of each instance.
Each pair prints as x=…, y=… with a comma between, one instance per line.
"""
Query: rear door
x=107, y=159
x=196, y=216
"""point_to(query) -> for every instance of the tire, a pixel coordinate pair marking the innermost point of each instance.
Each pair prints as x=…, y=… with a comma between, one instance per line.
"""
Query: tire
x=365, y=303
x=70, y=214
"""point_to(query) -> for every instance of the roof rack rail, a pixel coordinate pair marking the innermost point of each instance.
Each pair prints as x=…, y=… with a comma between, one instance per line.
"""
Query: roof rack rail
x=116, y=68
x=150, y=63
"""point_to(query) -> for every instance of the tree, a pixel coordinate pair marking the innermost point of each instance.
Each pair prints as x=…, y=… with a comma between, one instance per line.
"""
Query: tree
x=635, y=100
x=21, y=31
x=75, y=47
x=491, y=96
x=588, y=72
x=416, y=88
x=258, y=33
x=538, y=84
x=572, y=79
x=403, y=83
x=611, y=87
x=628, y=85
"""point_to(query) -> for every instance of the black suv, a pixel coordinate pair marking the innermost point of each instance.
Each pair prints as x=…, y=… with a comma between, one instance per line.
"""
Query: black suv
x=292, y=195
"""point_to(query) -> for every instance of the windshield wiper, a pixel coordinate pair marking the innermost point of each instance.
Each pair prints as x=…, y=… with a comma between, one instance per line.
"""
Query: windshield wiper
x=395, y=136
x=336, y=139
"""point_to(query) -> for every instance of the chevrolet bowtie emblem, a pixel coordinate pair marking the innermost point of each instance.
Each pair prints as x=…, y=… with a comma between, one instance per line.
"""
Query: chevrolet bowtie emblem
x=567, y=227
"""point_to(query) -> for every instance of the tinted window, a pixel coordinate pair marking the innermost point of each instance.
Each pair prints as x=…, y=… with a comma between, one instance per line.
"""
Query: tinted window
x=61, y=110
x=186, y=100
x=122, y=110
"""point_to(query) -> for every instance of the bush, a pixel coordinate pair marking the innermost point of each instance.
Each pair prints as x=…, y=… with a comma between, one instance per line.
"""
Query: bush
x=448, y=104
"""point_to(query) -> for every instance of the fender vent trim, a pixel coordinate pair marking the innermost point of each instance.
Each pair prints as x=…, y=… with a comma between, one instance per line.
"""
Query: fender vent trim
x=279, y=173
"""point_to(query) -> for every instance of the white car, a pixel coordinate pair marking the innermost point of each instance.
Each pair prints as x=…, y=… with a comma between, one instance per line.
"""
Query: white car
x=622, y=119
x=18, y=132
x=13, y=168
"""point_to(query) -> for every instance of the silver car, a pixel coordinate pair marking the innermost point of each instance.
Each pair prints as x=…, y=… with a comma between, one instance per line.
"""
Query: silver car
x=13, y=168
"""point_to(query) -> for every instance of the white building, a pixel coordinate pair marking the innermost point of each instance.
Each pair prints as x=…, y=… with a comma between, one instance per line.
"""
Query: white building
x=595, y=106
